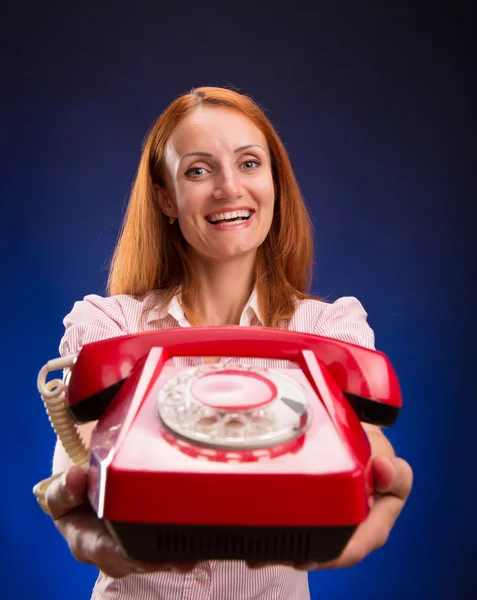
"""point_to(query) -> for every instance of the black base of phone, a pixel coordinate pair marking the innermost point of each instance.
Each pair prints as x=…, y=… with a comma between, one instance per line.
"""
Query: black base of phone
x=193, y=543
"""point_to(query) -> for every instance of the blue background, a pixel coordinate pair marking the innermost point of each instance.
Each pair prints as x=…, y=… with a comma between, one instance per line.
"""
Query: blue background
x=375, y=106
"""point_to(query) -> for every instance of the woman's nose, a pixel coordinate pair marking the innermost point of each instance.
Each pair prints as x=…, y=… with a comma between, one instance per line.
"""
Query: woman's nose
x=228, y=186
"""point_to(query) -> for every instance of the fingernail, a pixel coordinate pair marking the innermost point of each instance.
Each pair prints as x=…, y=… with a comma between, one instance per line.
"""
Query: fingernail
x=67, y=493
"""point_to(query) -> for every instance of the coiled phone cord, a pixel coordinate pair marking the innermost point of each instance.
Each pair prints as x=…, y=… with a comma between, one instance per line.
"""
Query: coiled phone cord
x=53, y=394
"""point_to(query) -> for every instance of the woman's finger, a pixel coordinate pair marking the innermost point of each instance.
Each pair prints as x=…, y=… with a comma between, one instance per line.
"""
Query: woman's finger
x=373, y=533
x=66, y=493
x=91, y=543
x=400, y=482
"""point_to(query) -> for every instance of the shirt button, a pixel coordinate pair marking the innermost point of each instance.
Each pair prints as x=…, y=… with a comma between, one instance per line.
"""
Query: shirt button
x=200, y=576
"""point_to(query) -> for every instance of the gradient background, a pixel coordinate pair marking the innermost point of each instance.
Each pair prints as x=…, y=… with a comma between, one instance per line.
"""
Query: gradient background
x=375, y=105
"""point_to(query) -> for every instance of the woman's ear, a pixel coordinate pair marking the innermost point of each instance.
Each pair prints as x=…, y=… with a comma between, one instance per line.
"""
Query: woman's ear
x=164, y=201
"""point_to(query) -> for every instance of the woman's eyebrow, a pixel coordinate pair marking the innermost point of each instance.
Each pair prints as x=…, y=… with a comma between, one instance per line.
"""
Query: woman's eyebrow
x=242, y=148
x=209, y=155
x=206, y=154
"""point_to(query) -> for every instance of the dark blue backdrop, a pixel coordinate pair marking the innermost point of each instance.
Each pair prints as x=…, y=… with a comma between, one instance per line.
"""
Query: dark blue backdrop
x=374, y=105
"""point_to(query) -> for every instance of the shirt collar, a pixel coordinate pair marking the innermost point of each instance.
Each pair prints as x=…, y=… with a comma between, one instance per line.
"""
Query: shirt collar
x=175, y=310
x=251, y=310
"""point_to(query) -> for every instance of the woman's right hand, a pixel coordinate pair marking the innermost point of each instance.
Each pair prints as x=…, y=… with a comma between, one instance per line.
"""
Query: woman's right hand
x=87, y=537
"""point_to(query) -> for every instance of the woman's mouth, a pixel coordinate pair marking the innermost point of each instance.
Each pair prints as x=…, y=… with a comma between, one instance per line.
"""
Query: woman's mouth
x=231, y=218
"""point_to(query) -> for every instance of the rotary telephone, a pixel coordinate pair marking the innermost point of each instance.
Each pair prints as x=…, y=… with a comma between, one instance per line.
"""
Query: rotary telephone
x=230, y=460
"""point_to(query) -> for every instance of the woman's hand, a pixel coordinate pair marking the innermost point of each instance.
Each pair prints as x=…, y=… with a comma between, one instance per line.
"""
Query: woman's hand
x=393, y=482
x=393, y=479
x=87, y=537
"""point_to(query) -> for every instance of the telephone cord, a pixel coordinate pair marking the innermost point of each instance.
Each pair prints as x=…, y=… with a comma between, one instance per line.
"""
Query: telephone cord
x=53, y=394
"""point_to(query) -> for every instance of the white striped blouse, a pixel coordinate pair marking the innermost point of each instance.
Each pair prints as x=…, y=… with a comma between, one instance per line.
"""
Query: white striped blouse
x=96, y=318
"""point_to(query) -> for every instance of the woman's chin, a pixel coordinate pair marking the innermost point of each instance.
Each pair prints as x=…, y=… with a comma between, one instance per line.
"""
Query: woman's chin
x=229, y=254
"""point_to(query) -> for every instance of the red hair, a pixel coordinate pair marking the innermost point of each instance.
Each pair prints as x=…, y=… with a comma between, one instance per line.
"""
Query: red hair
x=152, y=255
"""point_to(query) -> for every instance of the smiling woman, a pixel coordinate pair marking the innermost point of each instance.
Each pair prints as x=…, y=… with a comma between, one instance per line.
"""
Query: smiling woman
x=216, y=233
x=210, y=154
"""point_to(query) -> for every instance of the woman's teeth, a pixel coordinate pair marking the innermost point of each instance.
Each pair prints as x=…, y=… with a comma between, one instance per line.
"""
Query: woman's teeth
x=228, y=217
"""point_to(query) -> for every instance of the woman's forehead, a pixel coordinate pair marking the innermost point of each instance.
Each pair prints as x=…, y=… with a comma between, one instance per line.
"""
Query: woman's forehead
x=223, y=127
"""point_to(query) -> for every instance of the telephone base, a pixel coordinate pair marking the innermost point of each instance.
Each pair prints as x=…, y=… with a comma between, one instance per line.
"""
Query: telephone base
x=152, y=542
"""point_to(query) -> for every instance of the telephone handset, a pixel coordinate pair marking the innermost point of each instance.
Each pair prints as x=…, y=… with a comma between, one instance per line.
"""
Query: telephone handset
x=276, y=459
x=364, y=376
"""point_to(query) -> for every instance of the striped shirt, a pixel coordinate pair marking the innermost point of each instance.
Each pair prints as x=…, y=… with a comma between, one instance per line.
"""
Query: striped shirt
x=96, y=318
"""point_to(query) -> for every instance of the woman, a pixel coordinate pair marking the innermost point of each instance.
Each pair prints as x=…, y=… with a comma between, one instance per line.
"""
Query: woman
x=216, y=233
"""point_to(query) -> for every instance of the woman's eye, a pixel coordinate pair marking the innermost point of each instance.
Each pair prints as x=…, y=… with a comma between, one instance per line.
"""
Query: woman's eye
x=195, y=172
x=250, y=164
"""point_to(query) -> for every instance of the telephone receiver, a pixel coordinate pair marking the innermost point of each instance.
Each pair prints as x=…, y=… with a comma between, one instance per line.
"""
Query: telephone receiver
x=364, y=376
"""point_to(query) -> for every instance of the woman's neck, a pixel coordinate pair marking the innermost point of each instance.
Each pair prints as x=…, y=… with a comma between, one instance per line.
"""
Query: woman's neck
x=224, y=290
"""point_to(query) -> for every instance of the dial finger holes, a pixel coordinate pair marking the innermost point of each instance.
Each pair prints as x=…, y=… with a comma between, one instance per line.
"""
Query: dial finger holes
x=260, y=422
x=207, y=424
x=234, y=425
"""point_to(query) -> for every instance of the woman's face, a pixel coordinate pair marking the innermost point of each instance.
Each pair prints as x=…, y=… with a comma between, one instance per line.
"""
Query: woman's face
x=219, y=183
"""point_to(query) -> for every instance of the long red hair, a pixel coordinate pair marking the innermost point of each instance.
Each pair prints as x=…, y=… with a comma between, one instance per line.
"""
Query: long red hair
x=151, y=254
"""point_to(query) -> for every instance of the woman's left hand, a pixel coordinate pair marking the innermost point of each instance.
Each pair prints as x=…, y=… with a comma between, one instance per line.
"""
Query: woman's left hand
x=393, y=479
x=392, y=485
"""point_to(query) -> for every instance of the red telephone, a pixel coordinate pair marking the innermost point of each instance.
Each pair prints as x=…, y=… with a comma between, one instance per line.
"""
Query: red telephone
x=227, y=461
